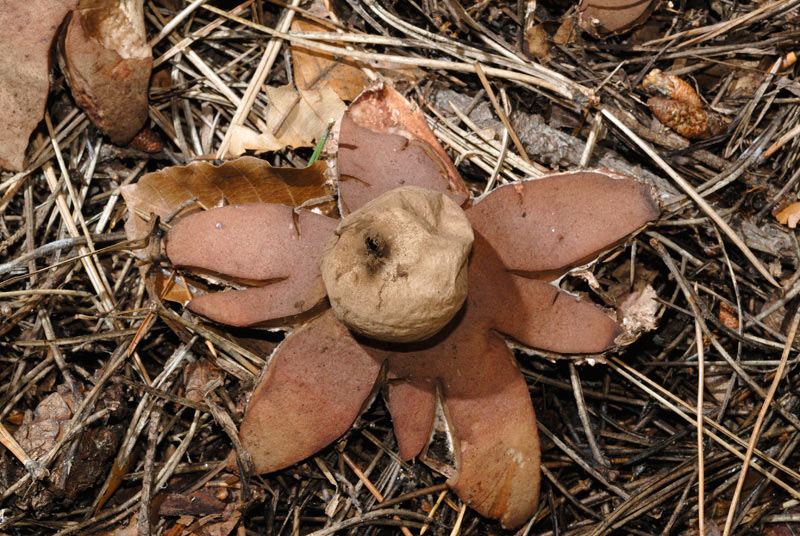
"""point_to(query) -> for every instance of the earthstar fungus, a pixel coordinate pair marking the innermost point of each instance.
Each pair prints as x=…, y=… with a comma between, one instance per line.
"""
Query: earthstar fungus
x=323, y=374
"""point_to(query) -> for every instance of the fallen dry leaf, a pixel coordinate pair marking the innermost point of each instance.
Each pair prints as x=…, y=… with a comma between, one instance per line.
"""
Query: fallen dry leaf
x=202, y=502
x=41, y=428
x=73, y=471
x=604, y=18
x=293, y=119
x=789, y=216
x=537, y=41
x=677, y=105
x=314, y=69
x=29, y=28
x=566, y=32
x=671, y=87
x=196, y=377
x=688, y=121
x=245, y=180
x=107, y=62
x=728, y=316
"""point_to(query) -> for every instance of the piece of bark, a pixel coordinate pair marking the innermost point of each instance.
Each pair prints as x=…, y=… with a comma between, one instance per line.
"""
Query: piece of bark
x=29, y=28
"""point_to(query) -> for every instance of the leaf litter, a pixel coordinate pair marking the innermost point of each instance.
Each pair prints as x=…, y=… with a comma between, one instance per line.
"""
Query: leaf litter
x=633, y=419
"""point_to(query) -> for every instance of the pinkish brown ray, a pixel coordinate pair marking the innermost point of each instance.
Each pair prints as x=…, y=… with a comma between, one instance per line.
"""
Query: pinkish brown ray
x=488, y=408
x=384, y=143
x=550, y=319
x=412, y=404
x=535, y=313
x=561, y=220
x=260, y=242
x=315, y=386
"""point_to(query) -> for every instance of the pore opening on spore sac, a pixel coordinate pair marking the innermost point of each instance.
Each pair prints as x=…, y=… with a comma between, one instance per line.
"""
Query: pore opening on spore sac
x=377, y=251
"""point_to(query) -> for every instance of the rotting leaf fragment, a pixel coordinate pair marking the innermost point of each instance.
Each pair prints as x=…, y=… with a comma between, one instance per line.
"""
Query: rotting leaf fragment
x=677, y=105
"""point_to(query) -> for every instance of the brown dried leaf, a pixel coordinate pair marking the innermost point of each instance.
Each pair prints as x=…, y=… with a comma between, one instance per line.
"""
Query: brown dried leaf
x=41, y=428
x=220, y=528
x=668, y=85
x=728, y=316
x=241, y=181
x=131, y=529
x=202, y=502
x=789, y=216
x=604, y=18
x=294, y=119
x=73, y=470
x=678, y=106
x=537, y=41
x=566, y=32
x=196, y=377
x=314, y=69
x=29, y=27
x=107, y=62
x=688, y=121
x=171, y=289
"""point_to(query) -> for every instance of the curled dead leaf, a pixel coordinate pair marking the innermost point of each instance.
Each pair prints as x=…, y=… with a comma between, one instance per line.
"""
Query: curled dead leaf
x=728, y=316
x=677, y=105
x=789, y=215
x=537, y=41
x=107, y=62
x=314, y=69
x=688, y=121
x=294, y=118
x=201, y=184
x=671, y=87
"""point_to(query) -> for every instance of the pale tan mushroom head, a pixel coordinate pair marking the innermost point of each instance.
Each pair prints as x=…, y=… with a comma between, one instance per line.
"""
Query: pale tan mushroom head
x=396, y=269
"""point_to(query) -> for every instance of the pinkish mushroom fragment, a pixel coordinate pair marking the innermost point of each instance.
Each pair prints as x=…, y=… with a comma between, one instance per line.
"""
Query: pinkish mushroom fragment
x=29, y=27
x=566, y=219
x=396, y=269
x=259, y=243
x=384, y=143
x=604, y=18
x=107, y=62
x=318, y=366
